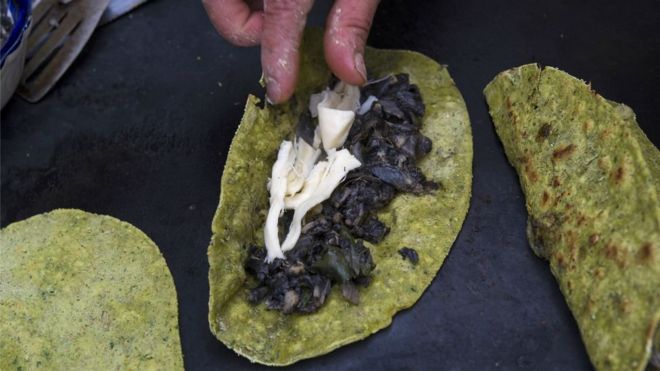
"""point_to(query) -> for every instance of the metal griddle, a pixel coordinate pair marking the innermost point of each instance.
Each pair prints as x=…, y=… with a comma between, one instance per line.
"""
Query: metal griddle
x=139, y=129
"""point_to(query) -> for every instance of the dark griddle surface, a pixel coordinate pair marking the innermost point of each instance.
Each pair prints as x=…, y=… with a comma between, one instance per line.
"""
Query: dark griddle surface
x=139, y=129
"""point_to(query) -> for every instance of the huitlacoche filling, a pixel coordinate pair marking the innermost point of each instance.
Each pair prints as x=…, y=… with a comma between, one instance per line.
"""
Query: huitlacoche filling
x=354, y=151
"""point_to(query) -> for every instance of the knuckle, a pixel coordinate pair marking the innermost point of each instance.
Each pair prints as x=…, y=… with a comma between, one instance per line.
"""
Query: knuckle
x=357, y=24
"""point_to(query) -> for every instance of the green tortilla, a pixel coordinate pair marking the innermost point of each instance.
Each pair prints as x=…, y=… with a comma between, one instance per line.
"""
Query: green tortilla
x=427, y=223
x=80, y=291
x=591, y=180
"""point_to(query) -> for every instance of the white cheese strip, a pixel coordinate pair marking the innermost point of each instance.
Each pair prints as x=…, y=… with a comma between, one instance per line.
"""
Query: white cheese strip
x=340, y=163
x=311, y=183
x=366, y=106
x=277, y=188
x=336, y=113
x=306, y=156
x=335, y=125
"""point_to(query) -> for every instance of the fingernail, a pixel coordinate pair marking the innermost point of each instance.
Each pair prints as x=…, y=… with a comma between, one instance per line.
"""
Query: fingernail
x=360, y=67
x=273, y=90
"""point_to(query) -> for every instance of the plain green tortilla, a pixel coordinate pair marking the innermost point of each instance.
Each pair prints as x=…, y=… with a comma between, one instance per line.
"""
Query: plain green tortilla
x=591, y=180
x=427, y=223
x=80, y=291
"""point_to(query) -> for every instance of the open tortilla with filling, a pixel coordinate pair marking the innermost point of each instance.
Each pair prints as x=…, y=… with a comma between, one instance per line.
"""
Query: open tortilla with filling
x=80, y=291
x=428, y=223
x=591, y=180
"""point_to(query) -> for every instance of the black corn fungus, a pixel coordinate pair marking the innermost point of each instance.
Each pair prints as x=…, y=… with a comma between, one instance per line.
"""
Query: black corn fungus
x=409, y=254
x=387, y=141
x=306, y=127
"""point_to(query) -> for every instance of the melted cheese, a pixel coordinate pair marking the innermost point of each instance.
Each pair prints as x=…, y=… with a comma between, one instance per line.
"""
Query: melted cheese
x=339, y=164
x=277, y=188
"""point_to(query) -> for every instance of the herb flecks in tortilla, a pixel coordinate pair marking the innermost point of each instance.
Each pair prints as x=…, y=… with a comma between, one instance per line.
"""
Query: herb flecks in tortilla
x=387, y=141
x=591, y=180
x=429, y=222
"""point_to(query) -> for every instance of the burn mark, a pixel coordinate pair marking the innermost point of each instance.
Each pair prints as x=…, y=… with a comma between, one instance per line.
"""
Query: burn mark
x=545, y=198
x=619, y=174
x=542, y=234
x=605, y=133
x=590, y=305
x=616, y=254
x=527, y=166
x=563, y=153
x=531, y=173
x=544, y=133
x=559, y=198
x=509, y=108
x=555, y=182
x=560, y=260
x=646, y=253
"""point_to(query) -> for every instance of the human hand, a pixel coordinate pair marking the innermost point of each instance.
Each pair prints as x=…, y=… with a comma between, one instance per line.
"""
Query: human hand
x=277, y=25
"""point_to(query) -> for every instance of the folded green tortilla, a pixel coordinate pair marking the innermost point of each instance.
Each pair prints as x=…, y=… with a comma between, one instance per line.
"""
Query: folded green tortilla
x=80, y=291
x=591, y=180
x=427, y=223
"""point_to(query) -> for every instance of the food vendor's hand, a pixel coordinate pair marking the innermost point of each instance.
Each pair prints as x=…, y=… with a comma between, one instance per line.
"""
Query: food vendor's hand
x=277, y=25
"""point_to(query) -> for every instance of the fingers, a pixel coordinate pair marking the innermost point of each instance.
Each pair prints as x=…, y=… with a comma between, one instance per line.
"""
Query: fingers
x=279, y=27
x=346, y=35
x=284, y=21
x=235, y=21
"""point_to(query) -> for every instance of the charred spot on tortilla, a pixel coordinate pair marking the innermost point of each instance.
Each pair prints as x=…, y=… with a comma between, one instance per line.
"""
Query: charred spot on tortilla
x=380, y=123
x=409, y=254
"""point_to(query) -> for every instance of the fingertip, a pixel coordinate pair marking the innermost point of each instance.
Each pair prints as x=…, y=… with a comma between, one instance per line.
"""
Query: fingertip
x=360, y=66
x=273, y=92
x=280, y=65
x=345, y=59
x=345, y=37
x=279, y=87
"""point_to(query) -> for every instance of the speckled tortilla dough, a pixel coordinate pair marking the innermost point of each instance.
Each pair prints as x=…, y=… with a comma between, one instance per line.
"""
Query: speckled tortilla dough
x=80, y=291
x=591, y=179
x=427, y=223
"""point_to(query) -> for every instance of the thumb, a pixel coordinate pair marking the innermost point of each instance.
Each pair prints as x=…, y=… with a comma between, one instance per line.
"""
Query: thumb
x=346, y=34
